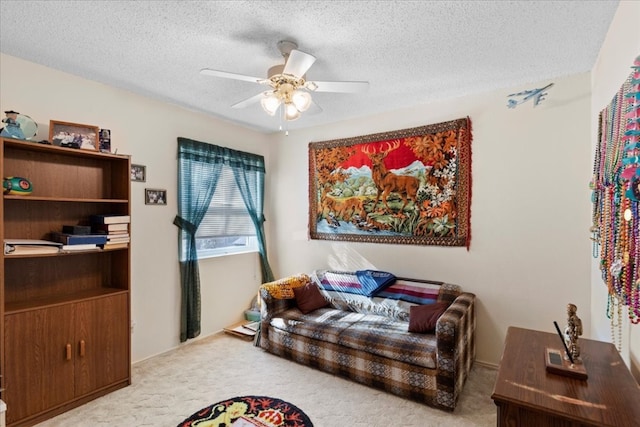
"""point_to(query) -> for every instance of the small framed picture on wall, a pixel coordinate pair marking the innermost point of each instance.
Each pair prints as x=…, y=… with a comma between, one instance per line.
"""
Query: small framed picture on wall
x=154, y=196
x=138, y=173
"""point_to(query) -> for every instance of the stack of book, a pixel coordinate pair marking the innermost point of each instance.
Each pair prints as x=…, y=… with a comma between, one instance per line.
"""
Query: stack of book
x=114, y=227
x=76, y=238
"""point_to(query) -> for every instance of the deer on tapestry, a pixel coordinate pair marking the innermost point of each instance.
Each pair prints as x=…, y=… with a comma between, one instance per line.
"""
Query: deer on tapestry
x=387, y=182
x=343, y=209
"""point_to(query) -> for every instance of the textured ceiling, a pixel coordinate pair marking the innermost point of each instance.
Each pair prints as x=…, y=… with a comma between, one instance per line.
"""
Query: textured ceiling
x=411, y=52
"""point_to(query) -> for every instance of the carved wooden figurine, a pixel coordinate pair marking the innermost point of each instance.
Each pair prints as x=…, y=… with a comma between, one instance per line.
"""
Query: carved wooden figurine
x=573, y=331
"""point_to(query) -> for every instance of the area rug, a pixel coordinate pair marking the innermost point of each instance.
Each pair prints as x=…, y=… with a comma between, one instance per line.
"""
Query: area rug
x=249, y=411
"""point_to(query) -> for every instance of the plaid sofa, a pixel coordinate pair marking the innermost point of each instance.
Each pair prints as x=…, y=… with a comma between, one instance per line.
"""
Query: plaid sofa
x=368, y=342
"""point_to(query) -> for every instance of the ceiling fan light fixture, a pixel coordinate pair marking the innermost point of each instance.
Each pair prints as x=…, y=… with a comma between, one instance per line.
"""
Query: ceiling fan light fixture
x=301, y=99
x=291, y=112
x=270, y=103
x=289, y=93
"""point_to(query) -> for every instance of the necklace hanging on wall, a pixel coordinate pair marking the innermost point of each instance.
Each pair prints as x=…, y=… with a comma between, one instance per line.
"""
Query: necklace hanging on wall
x=616, y=202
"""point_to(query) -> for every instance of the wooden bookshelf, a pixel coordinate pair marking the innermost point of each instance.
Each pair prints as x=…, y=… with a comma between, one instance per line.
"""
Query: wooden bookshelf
x=66, y=316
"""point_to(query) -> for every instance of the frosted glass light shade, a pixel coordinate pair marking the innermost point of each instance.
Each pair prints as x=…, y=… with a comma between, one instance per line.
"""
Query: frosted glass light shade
x=291, y=112
x=301, y=99
x=270, y=104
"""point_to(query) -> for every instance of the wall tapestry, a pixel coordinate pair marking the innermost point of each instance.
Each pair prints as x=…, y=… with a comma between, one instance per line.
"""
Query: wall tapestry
x=411, y=186
x=616, y=200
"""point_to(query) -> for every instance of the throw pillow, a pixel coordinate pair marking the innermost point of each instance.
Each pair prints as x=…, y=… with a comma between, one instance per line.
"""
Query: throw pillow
x=309, y=298
x=423, y=318
x=283, y=288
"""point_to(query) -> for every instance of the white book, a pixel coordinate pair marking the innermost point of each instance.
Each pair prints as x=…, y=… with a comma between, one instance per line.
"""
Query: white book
x=81, y=247
x=119, y=240
x=115, y=245
x=30, y=247
x=117, y=236
x=30, y=242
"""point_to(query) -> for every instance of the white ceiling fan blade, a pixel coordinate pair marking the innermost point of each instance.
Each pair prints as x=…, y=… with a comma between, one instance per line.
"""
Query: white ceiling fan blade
x=252, y=100
x=298, y=63
x=227, y=75
x=343, y=87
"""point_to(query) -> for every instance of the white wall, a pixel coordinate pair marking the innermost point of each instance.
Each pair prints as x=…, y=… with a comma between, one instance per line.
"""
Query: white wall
x=147, y=130
x=620, y=48
x=530, y=249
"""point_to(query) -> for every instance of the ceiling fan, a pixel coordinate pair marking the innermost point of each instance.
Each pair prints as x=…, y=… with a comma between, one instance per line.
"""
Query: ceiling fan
x=288, y=87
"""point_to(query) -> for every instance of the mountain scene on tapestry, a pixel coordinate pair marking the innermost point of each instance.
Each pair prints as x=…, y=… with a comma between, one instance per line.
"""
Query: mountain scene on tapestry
x=410, y=186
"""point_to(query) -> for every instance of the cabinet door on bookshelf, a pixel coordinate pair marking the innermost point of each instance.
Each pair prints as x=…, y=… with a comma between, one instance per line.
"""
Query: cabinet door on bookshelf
x=39, y=365
x=103, y=343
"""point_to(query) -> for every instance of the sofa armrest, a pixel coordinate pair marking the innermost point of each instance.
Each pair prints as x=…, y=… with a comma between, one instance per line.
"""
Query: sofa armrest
x=276, y=297
x=456, y=348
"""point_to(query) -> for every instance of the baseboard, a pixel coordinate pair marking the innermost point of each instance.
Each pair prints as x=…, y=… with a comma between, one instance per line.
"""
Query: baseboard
x=486, y=364
x=182, y=344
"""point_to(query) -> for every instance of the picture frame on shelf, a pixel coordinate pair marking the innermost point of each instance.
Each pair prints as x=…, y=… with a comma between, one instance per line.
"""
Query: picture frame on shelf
x=74, y=135
x=155, y=196
x=105, y=140
x=138, y=173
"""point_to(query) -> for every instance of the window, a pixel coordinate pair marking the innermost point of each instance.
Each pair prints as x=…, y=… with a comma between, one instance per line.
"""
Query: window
x=220, y=199
x=220, y=211
x=227, y=227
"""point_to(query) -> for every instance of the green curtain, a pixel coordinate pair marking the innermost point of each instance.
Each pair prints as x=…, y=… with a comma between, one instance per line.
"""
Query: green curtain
x=199, y=167
x=251, y=185
x=198, y=172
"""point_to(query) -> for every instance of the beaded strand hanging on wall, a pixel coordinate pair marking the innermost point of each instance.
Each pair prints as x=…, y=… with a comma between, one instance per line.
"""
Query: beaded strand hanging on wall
x=616, y=201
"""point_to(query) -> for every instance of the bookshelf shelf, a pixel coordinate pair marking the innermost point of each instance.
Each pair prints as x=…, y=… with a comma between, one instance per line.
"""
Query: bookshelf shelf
x=63, y=199
x=51, y=304
x=22, y=256
x=64, y=253
x=19, y=144
x=17, y=307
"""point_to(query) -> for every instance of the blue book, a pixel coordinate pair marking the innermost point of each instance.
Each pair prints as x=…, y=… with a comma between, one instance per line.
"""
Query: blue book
x=79, y=239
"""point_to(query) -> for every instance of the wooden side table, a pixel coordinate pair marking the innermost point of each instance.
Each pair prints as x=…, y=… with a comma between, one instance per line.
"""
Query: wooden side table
x=527, y=395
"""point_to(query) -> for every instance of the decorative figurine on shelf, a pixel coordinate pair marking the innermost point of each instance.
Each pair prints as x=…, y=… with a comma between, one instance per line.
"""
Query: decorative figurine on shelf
x=16, y=186
x=12, y=129
x=573, y=331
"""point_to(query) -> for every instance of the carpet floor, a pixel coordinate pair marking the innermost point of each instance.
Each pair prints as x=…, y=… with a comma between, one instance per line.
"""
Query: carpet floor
x=170, y=387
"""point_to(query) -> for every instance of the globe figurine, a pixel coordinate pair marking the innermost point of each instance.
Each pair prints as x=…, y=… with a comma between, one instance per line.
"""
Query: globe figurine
x=12, y=129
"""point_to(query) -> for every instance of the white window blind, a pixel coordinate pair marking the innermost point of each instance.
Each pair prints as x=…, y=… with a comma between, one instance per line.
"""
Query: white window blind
x=227, y=228
x=227, y=215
